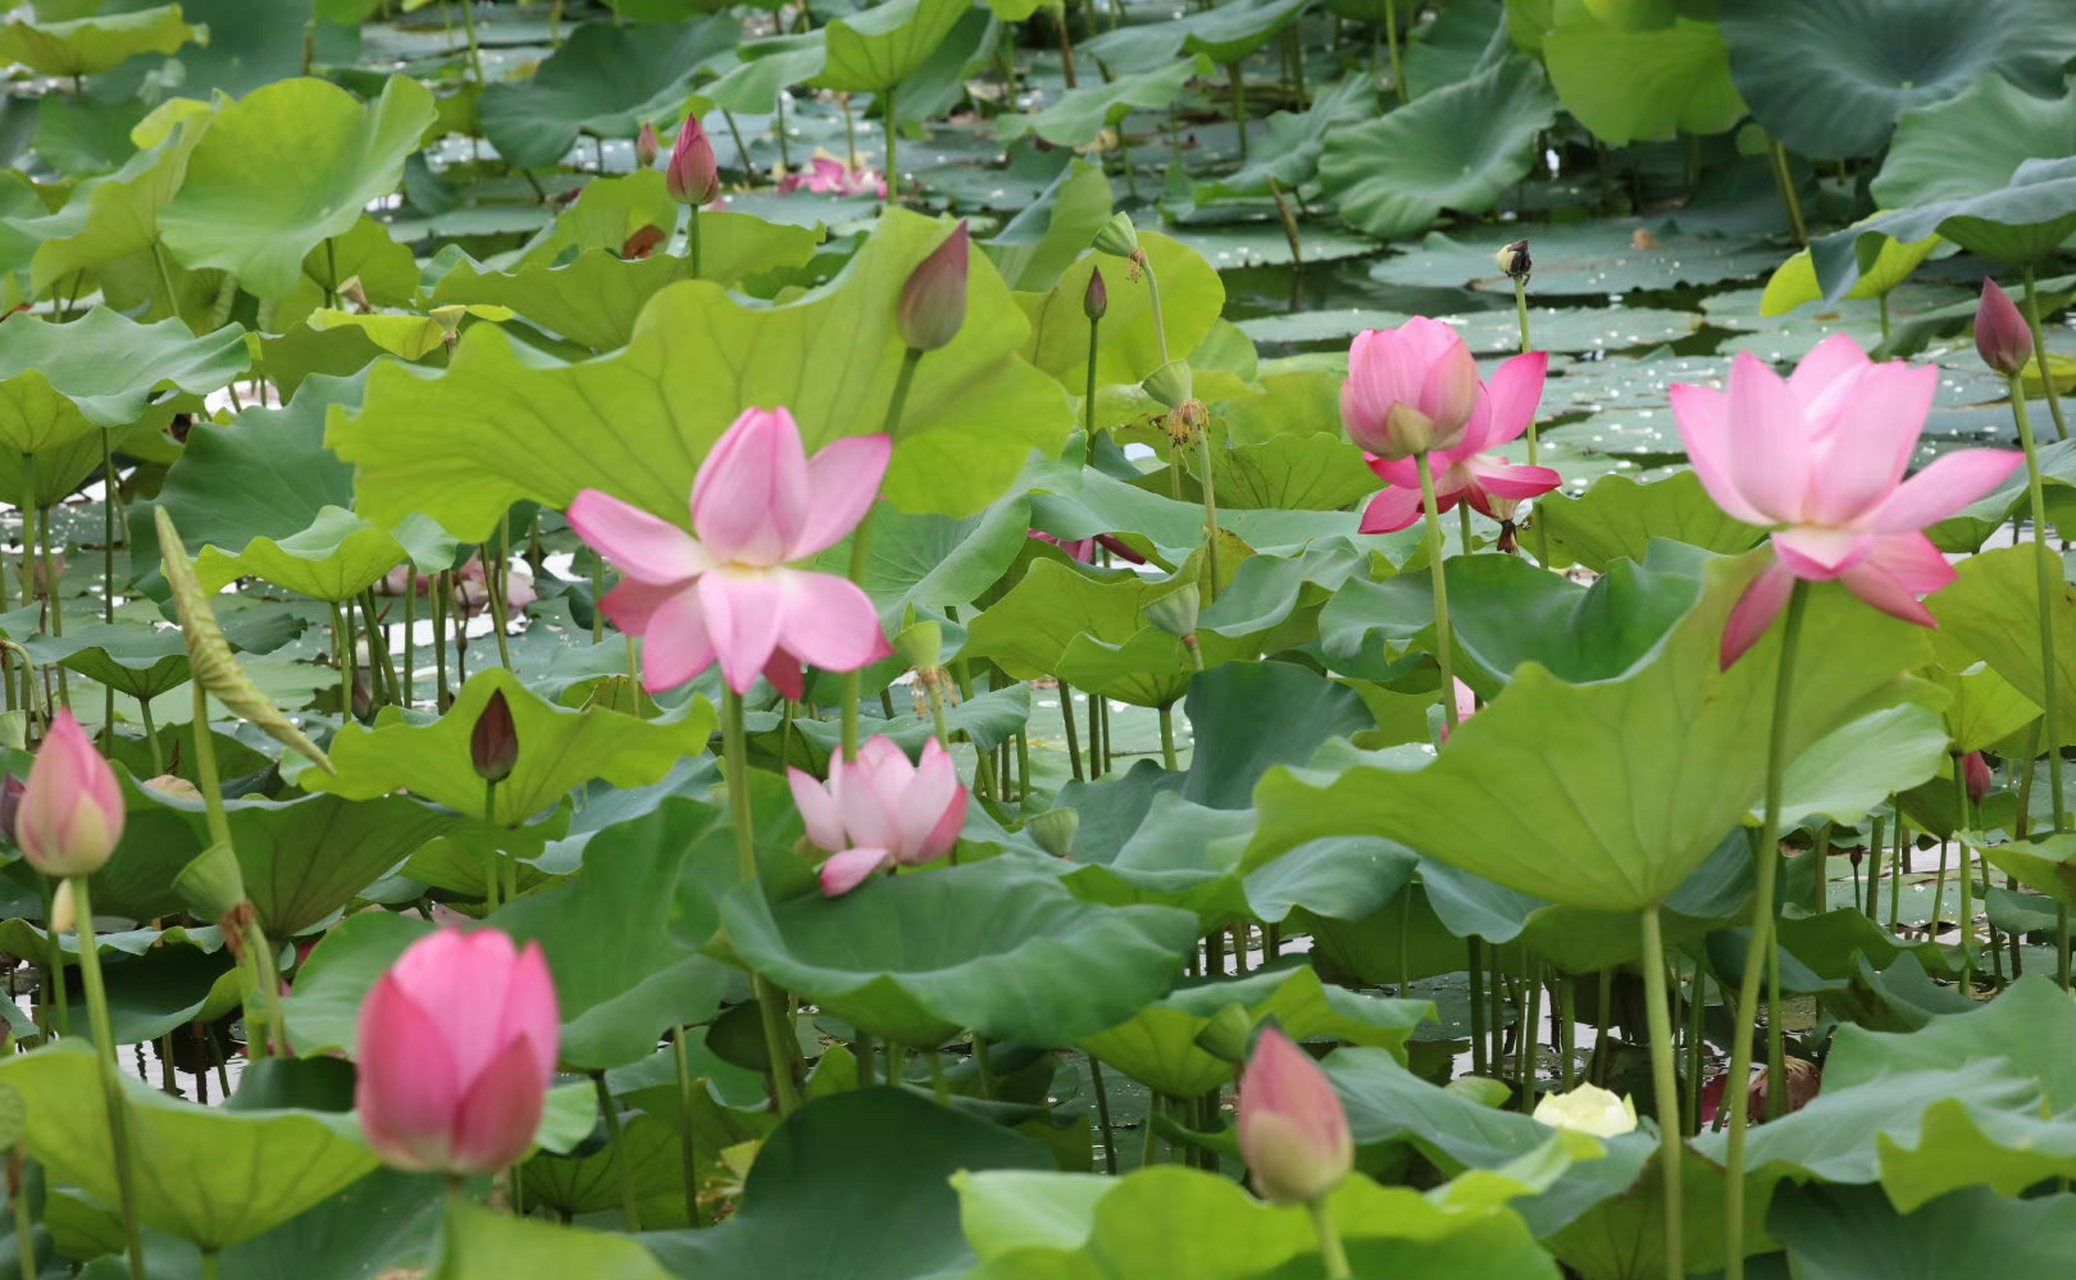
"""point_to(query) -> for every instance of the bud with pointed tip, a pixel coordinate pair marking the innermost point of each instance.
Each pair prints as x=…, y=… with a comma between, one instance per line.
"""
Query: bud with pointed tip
x=2001, y=336
x=1976, y=776
x=494, y=744
x=933, y=302
x=1118, y=237
x=1095, y=301
x=647, y=146
x=693, y=176
x=1293, y=1130
x=72, y=813
x=1514, y=262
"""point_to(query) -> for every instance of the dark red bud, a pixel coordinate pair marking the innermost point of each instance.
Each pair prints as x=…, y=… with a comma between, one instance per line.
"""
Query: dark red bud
x=494, y=746
x=1095, y=303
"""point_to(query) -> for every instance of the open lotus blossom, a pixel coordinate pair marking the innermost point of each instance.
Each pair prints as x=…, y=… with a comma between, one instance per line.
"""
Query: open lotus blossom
x=1409, y=389
x=457, y=1048
x=1467, y=472
x=1819, y=458
x=1293, y=1130
x=70, y=816
x=1588, y=1109
x=881, y=810
x=724, y=592
x=832, y=177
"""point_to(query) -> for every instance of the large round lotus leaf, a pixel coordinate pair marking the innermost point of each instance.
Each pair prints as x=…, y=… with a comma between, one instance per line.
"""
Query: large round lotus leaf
x=1993, y=610
x=1287, y=152
x=1456, y=148
x=1080, y=115
x=1225, y=33
x=304, y=859
x=1646, y=85
x=766, y=69
x=2022, y=221
x=286, y=167
x=876, y=49
x=1841, y=1233
x=995, y=946
x=1619, y=789
x=496, y=427
x=59, y=383
x=1972, y=143
x=1600, y=258
x=483, y=1245
x=606, y=80
x=209, y=1175
x=826, y=1200
x=1618, y=518
x=1830, y=77
x=89, y=46
x=1796, y=282
x=559, y=748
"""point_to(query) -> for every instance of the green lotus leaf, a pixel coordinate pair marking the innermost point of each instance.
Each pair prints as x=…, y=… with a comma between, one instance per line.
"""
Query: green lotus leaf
x=1795, y=283
x=823, y=1201
x=387, y=273
x=1617, y=518
x=1081, y=502
x=1288, y=154
x=1455, y=46
x=496, y=427
x=2021, y=222
x=1607, y=805
x=589, y=1181
x=407, y=337
x=285, y=168
x=324, y=1011
x=1838, y=1233
x=606, y=80
x=1225, y=34
x=996, y=946
x=252, y=43
x=1993, y=610
x=60, y=383
x=1080, y=115
x=1294, y=473
x=876, y=49
x=596, y=298
x=485, y=1245
x=559, y=749
x=209, y=1175
x=1028, y=1226
x=1046, y=235
x=1597, y=257
x=115, y=217
x=90, y=46
x=2042, y=865
x=1456, y=148
x=338, y=556
x=1972, y=143
x=1830, y=77
x=137, y=659
x=766, y=69
x=1030, y=631
x=1159, y=1045
x=1846, y=775
x=1645, y=84
x=611, y=212
x=82, y=136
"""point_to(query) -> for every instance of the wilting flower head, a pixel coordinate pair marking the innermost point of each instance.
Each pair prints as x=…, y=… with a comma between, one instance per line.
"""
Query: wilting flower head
x=1466, y=472
x=1819, y=458
x=71, y=814
x=1293, y=1131
x=1588, y=1109
x=2001, y=336
x=693, y=176
x=726, y=594
x=1976, y=775
x=457, y=1049
x=1409, y=389
x=880, y=809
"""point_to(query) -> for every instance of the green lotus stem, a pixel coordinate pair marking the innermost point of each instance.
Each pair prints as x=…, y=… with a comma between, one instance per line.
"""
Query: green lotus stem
x=158, y=255
x=1790, y=201
x=468, y=18
x=1875, y=847
x=1463, y=526
x=692, y=245
x=1902, y=865
x=350, y=668
x=1939, y=888
x=1696, y=1007
x=2054, y=400
x=1153, y=297
x=56, y=986
x=1665, y=1086
x=438, y=596
x=2047, y=579
x=457, y=1209
x=623, y=1166
x=896, y=1066
x=111, y=1074
x=1168, y=737
x=263, y=1005
x=597, y=614
x=1760, y=946
x=893, y=150
x=151, y=735
x=1073, y=734
x=410, y=635
x=940, y=1088
x=1088, y=402
x=24, y=1221
x=494, y=590
x=1883, y=300
x=1332, y=1252
x=985, y=1065
x=1441, y=591
x=381, y=667
x=331, y=266
x=1820, y=887
x=1962, y=822
x=1476, y=948
x=1238, y=78
x=1398, y=75
x=741, y=150
x=1567, y=998
x=1095, y=736
x=108, y=522
x=778, y=127
x=933, y=689
x=1542, y=537
x=736, y=758
x=1095, y=1075
x=491, y=877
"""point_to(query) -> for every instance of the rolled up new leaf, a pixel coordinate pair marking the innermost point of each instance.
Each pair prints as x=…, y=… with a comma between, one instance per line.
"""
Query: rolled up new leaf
x=209, y=653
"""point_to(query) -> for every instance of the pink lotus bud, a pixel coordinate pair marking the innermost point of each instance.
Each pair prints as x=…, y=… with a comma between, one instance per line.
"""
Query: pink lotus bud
x=1095, y=300
x=1293, y=1131
x=71, y=814
x=2001, y=336
x=1410, y=390
x=933, y=302
x=494, y=743
x=457, y=1048
x=1976, y=775
x=647, y=146
x=693, y=176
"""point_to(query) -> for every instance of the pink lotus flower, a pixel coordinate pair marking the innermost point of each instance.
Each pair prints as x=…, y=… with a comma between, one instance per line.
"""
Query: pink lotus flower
x=471, y=588
x=1819, y=457
x=2001, y=336
x=1466, y=472
x=693, y=175
x=1976, y=775
x=1084, y=549
x=831, y=177
x=758, y=504
x=457, y=1048
x=1409, y=390
x=1293, y=1131
x=71, y=815
x=881, y=809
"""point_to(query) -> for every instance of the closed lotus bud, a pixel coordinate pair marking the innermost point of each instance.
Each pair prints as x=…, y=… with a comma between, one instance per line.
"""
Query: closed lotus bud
x=1095, y=301
x=1514, y=262
x=457, y=1048
x=1118, y=237
x=71, y=814
x=1293, y=1130
x=1170, y=384
x=693, y=176
x=1176, y=612
x=1054, y=831
x=1588, y=1109
x=933, y=302
x=647, y=146
x=2001, y=336
x=1976, y=775
x=11, y=792
x=494, y=743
